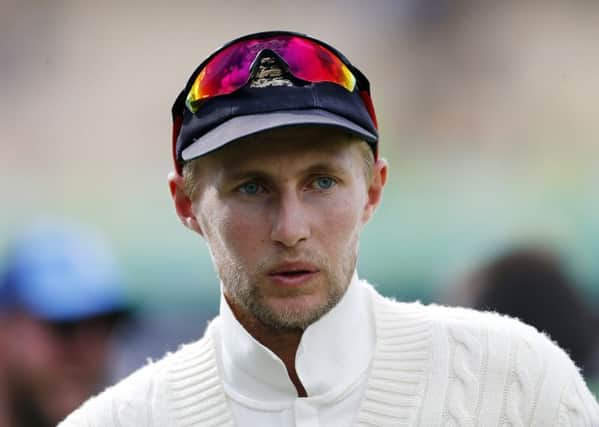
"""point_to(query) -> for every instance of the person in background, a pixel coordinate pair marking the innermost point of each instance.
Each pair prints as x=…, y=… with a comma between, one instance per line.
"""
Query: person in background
x=61, y=296
x=531, y=283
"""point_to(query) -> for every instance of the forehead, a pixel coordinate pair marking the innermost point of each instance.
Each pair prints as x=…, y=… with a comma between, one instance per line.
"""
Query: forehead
x=284, y=146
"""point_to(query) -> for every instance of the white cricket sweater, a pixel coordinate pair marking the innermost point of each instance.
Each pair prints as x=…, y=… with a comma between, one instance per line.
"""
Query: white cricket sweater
x=432, y=366
x=332, y=361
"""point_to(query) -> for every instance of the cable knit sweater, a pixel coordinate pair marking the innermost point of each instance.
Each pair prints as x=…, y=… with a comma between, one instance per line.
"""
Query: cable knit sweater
x=433, y=366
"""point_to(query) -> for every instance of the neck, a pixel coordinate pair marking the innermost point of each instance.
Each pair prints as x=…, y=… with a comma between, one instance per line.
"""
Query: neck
x=281, y=341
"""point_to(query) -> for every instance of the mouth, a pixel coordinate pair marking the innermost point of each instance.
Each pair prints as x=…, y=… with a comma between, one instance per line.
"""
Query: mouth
x=293, y=275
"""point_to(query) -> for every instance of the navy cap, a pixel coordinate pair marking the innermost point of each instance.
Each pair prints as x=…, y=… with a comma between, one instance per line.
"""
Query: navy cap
x=270, y=103
x=61, y=271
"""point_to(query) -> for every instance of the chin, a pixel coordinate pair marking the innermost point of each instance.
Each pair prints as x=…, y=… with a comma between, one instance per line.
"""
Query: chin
x=294, y=313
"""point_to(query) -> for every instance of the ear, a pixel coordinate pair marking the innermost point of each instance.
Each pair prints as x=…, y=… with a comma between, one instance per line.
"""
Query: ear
x=183, y=204
x=375, y=189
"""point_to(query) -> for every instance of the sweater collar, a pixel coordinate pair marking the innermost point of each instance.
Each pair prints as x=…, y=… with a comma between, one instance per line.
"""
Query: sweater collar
x=332, y=355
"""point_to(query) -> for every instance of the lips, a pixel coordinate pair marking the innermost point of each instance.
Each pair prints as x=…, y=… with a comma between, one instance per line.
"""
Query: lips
x=293, y=274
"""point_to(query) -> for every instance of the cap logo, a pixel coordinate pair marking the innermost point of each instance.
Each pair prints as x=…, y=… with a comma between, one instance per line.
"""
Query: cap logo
x=269, y=73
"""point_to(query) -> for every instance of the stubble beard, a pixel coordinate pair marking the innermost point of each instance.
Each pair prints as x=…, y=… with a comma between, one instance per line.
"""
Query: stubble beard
x=244, y=291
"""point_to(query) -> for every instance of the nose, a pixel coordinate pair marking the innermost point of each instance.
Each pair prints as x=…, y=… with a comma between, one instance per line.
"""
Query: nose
x=290, y=224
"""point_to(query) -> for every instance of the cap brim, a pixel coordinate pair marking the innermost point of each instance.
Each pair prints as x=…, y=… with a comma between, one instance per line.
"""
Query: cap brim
x=242, y=126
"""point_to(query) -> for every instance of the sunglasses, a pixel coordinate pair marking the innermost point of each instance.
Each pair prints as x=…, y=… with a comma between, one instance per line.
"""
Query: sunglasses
x=231, y=67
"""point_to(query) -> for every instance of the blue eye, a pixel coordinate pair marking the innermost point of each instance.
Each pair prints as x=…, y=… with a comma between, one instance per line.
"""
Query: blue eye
x=250, y=188
x=324, y=183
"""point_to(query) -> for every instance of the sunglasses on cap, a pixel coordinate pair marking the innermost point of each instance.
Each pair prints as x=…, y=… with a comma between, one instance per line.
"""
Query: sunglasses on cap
x=231, y=68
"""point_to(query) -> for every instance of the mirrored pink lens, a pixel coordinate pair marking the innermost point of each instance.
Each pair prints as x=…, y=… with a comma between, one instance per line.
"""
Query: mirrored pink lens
x=229, y=69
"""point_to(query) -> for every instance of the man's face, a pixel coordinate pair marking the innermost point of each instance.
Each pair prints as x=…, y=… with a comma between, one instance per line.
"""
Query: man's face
x=282, y=213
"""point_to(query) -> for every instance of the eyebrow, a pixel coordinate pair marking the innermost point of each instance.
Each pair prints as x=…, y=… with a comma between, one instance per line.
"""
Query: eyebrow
x=334, y=168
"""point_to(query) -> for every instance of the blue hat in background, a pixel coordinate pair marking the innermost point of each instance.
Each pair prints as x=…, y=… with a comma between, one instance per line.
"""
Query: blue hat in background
x=61, y=271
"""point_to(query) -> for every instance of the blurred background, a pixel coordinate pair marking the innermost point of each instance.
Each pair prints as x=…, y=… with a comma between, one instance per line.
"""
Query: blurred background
x=487, y=113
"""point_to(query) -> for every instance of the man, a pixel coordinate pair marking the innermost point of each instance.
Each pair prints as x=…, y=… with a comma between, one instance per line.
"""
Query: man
x=277, y=168
x=60, y=297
